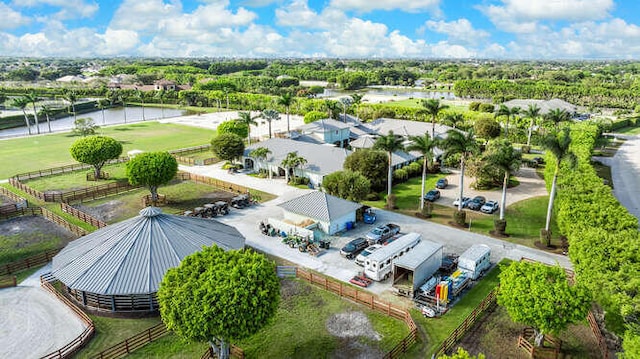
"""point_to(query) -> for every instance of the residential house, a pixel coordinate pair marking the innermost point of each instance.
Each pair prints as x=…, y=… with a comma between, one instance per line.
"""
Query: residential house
x=327, y=131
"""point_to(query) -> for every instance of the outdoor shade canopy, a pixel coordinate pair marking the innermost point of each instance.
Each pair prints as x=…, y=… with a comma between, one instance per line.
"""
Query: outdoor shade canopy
x=132, y=256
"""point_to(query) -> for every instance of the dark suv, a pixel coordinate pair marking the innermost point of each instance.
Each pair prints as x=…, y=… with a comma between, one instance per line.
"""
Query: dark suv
x=351, y=249
x=476, y=203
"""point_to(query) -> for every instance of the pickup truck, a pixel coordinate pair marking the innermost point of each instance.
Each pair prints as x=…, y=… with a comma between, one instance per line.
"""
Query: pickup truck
x=381, y=233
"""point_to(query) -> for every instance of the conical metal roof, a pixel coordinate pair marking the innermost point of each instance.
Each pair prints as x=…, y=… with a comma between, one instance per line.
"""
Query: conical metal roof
x=132, y=256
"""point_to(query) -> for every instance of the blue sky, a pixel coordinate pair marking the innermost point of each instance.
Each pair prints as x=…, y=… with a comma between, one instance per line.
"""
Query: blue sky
x=495, y=29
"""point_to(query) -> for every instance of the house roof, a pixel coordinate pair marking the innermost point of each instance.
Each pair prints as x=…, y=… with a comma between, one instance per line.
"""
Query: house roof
x=132, y=256
x=324, y=125
x=421, y=252
x=404, y=128
x=544, y=105
x=320, y=206
x=321, y=159
x=363, y=142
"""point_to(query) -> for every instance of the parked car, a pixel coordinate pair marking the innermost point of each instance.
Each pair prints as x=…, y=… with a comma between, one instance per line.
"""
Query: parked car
x=465, y=201
x=442, y=183
x=353, y=248
x=489, y=207
x=432, y=195
x=365, y=253
x=476, y=203
x=538, y=160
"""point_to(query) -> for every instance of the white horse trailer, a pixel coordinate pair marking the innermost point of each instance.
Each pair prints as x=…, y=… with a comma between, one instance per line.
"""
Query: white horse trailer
x=379, y=264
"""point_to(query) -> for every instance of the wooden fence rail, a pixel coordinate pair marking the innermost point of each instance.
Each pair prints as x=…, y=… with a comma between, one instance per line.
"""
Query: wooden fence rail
x=222, y=185
x=78, y=231
x=86, y=218
x=62, y=169
x=137, y=341
x=26, y=263
x=7, y=281
x=602, y=343
x=72, y=347
x=12, y=196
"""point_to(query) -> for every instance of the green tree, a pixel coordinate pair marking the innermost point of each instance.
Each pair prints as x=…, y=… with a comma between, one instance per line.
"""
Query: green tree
x=462, y=354
x=312, y=116
x=345, y=103
x=139, y=95
x=103, y=103
x=540, y=296
x=371, y=164
x=464, y=145
x=219, y=296
x=356, y=99
x=389, y=143
x=532, y=113
x=347, y=184
x=96, y=151
x=425, y=145
x=455, y=120
x=556, y=117
x=508, y=113
x=152, y=170
x=246, y=118
x=233, y=126
x=32, y=98
x=260, y=154
x=559, y=147
x=501, y=154
x=47, y=111
x=291, y=162
x=227, y=146
x=21, y=103
x=84, y=127
x=332, y=107
x=71, y=97
x=270, y=115
x=486, y=128
x=432, y=107
x=286, y=100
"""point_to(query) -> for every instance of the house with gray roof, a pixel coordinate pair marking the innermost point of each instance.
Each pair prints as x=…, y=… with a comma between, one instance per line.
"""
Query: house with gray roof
x=544, y=105
x=118, y=268
x=327, y=131
x=332, y=214
x=405, y=128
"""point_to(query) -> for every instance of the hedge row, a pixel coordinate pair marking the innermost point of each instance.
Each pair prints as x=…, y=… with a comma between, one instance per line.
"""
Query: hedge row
x=604, y=243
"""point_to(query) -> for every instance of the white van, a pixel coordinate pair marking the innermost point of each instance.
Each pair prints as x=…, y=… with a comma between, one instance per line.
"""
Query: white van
x=379, y=264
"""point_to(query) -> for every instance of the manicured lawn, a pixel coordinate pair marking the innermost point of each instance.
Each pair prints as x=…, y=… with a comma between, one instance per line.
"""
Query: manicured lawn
x=629, y=130
x=38, y=152
x=170, y=346
x=77, y=179
x=438, y=329
x=408, y=193
x=417, y=103
x=300, y=328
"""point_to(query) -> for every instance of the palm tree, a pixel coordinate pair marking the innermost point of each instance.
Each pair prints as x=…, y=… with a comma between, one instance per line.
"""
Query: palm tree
x=292, y=161
x=356, y=100
x=332, y=108
x=71, y=97
x=425, y=145
x=432, y=107
x=21, y=103
x=260, y=154
x=453, y=119
x=122, y=98
x=501, y=154
x=346, y=102
x=557, y=116
x=226, y=90
x=507, y=113
x=245, y=118
x=159, y=95
x=47, y=111
x=532, y=112
x=559, y=148
x=139, y=95
x=32, y=98
x=270, y=115
x=390, y=144
x=102, y=104
x=286, y=100
x=465, y=145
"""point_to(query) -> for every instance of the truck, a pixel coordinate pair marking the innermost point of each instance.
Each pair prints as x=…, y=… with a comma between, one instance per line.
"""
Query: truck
x=475, y=261
x=379, y=264
x=414, y=268
x=381, y=233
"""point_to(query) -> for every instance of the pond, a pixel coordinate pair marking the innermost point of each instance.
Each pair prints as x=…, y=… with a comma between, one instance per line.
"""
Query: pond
x=112, y=116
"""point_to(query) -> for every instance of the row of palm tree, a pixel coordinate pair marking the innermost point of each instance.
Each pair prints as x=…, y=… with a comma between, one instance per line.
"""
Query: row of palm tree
x=555, y=116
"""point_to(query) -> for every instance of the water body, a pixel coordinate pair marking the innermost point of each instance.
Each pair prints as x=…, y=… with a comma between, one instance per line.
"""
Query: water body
x=112, y=116
x=401, y=93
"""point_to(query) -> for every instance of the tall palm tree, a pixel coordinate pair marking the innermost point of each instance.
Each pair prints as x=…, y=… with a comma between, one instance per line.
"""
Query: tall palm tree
x=345, y=102
x=123, y=97
x=390, y=144
x=425, y=145
x=160, y=95
x=507, y=113
x=32, y=98
x=291, y=162
x=501, y=154
x=332, y=108
x=47, y=111
x=432, y=107
x=139, y=95
x=465, y=145
x=71, y=97
x=270, y=115
x=558, y=145
x=557, y=116
x=21, y=103
x=286, y=100
x=226, y=90
x=454, y=119
x=357, y=100
x=102, y=104
x=261, y=154
x=532, y=112
x=245, y=118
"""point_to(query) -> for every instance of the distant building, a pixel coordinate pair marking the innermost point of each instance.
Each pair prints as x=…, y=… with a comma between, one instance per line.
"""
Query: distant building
x=544, y=105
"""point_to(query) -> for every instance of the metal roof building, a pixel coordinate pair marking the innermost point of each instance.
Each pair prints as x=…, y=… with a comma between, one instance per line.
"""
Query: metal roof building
x=331, y=213
x=119, y=268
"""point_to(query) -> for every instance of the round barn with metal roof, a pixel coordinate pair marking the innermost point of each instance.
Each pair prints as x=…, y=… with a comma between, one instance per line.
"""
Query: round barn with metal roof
x=117, y=269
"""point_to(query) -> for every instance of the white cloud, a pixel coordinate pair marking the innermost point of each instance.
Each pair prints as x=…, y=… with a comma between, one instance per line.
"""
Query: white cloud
x=69, y=9
x=445, y=50
x=144, y=15
x=460, y=31
x=11, y=18
x=403, y=5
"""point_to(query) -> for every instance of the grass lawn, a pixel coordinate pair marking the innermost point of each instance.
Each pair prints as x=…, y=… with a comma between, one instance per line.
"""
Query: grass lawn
x=408, y=193
x=438, y=329
x=111, y=331
x=170, y=346
x=417, y=103
x=629, y=130
x=299, y=329
x=37, y=152
x=77, y=179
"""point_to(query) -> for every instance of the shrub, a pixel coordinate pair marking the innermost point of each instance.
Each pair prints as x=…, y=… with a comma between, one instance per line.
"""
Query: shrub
x=373, y=196
x=460, y=217
x=526, y=149
x=474, y=106
x=415, y=168
x=400, y=175
x=486, y=107
x=391, y=202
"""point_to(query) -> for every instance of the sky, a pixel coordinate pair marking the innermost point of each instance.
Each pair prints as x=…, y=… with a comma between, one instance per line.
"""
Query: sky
x=441, y=29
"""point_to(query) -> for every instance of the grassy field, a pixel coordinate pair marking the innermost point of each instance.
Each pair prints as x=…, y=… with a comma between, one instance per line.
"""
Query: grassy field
x=416, y=103
x=299, y=329
x=629, y=130
x=77, y=179
x=38, y=152
x=408, y=193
